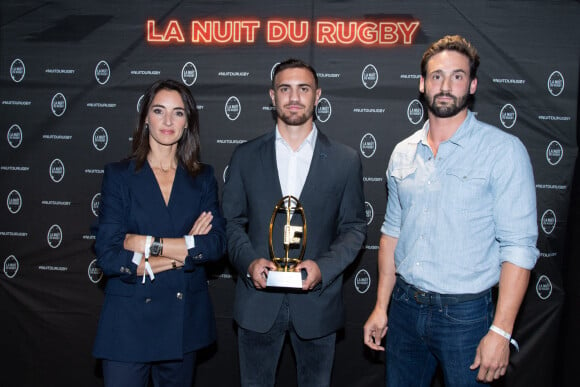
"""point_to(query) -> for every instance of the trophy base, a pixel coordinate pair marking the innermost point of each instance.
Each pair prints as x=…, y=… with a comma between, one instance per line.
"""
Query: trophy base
x=284, y=279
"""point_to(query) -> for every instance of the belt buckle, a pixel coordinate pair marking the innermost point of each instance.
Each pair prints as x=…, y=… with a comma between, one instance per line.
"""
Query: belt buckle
x=417, y=294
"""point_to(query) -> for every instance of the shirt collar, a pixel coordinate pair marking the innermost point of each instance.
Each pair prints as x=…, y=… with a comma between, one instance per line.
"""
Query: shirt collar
x=310, y=140
x=458, y=138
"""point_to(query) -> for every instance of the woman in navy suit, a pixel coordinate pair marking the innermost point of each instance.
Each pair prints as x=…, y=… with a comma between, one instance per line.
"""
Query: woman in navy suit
x=159, y=223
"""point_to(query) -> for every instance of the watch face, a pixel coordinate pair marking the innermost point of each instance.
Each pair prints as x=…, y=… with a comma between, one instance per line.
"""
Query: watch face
x=155, y=248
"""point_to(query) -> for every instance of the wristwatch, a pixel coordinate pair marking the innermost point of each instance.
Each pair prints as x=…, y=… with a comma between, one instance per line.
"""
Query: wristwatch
x=156, y=248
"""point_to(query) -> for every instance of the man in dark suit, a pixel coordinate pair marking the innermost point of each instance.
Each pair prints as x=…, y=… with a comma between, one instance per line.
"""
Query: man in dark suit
x=295, y=159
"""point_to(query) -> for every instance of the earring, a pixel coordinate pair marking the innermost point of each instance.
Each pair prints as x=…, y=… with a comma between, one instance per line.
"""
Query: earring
x=146, y=127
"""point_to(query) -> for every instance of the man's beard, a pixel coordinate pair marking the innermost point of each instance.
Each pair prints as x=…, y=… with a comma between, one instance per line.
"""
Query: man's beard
x=293, y=119
x=445, y=111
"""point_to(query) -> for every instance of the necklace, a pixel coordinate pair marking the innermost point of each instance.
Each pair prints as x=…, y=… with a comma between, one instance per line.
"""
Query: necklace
x=164, y=170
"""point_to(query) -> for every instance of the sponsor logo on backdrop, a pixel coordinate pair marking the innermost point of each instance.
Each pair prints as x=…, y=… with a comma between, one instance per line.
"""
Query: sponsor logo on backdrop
x=58, y=104
x=102, y=72
x=272, y=71
x=323, y=110
x=369, y=212
x=54, y=236
x=508, y=116
x=139, y=103
x=11, y=266
x=368, y=145
x=100, y=138
x=415, y=112
x=14, y=136
x=370, y=76
x=544, y=287
x=14, y=201
x=233, y=108
x=95, y=273
x=189, y=74
x=554, y=152
x=225, y=174
x=362, y=281
x=556, y=83
x=17, y=70
x=95, y=204
x=56, y=170
x=548, y=221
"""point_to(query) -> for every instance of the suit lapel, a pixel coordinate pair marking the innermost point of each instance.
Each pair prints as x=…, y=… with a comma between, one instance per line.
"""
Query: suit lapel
x=318, y=166
x=269, y=165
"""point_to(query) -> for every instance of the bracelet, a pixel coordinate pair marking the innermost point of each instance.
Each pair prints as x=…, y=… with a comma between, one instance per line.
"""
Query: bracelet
x=503, y=333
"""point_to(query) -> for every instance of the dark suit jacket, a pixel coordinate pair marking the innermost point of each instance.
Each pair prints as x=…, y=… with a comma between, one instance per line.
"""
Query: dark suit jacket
x=172, y=315
x=333, y=201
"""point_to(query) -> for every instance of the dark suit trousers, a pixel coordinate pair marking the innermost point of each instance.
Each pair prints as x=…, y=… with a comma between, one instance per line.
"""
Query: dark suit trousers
x=260, y=353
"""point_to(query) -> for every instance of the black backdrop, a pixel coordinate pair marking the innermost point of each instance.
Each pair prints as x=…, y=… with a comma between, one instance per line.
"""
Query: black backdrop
x=72, y=73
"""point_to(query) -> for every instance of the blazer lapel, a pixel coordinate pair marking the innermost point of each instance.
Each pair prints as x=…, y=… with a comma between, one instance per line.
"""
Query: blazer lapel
x=317, y=166
x=269, y=165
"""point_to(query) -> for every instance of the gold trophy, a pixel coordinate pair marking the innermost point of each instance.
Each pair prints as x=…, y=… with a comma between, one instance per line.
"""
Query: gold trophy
x=284, y=276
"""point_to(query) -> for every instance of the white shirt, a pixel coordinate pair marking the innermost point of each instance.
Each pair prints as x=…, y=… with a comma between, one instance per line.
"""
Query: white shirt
x=293, y=166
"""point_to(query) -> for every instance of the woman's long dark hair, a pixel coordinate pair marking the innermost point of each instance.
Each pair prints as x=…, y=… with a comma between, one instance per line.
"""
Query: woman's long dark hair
x=188, y=146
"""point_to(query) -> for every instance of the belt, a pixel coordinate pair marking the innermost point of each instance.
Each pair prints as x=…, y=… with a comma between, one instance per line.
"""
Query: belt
x=432, y=298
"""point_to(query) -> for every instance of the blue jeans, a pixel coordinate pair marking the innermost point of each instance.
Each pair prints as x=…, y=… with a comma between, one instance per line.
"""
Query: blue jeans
x=260, y=352
x=426, y=333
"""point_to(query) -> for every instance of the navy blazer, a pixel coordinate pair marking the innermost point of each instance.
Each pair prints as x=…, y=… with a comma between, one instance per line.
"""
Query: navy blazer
x=333, y=202
x=172, y=315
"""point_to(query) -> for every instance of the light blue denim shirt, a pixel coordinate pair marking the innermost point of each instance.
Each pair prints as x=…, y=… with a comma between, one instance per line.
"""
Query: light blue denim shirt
x=460, y=215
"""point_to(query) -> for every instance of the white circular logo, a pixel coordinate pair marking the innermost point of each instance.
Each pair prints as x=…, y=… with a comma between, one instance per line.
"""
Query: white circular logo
x=14, y=136
x=54, y=236
x=95, y=204
x=368, y=145
x=544, y=287
x=323, y=110
x=11, y=266
x=14, y=201
x=415, y=111
x=95, y=273
x=225, y=174
x=58, y=104
x=272, y=71
x=554, y=152
x=139, y=103
x=189, y=74
x=370, y=76
x=548, y=221
x=362, y=281
x=17, y=70
x=102, y=72
x=233, y=108
x=556, y=83
x=508, y=116
x=56, y=170
x=100, y=138
x=369, y=212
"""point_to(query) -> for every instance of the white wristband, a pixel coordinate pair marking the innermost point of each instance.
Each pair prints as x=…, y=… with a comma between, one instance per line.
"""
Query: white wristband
x=148, y=269
x=147, y=247
x=503, y=333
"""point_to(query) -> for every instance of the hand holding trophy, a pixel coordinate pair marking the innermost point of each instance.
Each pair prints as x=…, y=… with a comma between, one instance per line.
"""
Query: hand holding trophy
x=285, y=274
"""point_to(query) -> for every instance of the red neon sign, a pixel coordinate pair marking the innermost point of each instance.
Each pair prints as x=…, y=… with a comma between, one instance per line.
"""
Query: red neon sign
x=325, y=32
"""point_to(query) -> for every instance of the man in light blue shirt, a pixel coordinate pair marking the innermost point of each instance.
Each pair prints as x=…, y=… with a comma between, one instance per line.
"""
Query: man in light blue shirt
x=461, y=218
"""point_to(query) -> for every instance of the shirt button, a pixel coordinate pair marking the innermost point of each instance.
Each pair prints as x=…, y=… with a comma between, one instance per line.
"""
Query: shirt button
x=179, y=295
x=147, y=300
